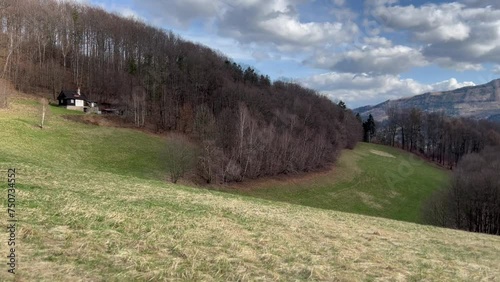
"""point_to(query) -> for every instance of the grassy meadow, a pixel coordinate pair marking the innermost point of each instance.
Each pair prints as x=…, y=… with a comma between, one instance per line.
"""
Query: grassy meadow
x=93, y=205
x=371, y=179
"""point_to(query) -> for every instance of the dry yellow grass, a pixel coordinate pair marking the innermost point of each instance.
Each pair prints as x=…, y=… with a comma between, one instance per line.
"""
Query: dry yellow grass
x=102, y=227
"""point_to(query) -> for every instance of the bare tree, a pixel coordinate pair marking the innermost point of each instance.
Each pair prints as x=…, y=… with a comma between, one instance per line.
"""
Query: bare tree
x=138, y=101
x=472, y=201
x=12, y=14
x=180, y=157
x=4, y=94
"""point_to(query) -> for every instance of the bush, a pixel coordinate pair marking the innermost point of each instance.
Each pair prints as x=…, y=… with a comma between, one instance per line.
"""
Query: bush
x=180, y=157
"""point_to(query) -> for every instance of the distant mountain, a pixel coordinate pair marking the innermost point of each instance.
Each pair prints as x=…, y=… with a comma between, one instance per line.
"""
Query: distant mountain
x=479, y=102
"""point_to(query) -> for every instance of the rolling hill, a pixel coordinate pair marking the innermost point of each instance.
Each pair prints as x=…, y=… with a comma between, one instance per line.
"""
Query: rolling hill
x=479, y=102
x=93, y=205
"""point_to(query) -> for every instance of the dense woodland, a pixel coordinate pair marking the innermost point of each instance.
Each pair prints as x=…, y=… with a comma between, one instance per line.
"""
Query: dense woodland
x=246, y=125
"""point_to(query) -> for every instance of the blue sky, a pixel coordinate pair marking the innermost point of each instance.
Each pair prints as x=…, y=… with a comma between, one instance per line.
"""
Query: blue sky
x=362, y=52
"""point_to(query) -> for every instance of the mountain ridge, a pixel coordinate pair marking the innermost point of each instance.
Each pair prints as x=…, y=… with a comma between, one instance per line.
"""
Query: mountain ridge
x=478, y=102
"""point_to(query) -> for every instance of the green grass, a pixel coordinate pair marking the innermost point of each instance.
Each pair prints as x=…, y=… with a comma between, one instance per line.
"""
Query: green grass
x=77, y=146
x=93, y=206
x=371, y=179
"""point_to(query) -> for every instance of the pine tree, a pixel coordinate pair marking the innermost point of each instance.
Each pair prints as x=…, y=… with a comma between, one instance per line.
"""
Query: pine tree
x=342, y=105
x=369, y=129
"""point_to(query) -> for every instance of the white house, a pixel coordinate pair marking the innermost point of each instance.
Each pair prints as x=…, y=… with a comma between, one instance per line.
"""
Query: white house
x=74, y=100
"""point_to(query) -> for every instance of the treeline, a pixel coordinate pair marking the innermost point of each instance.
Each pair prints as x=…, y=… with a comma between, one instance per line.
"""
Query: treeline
x=472, y=201
x=439, y=138
x=246, y=125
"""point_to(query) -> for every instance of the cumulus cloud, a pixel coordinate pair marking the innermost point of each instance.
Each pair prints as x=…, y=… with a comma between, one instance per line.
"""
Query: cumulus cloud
x=278, y=23
x=457, y=65
x=361, y=90
x=453, y=35
x=274, y=23
x=378, y=57
x=450, y=84
x=429, y=23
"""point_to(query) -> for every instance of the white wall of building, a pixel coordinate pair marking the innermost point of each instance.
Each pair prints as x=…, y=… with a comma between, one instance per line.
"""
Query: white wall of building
x=79, y=103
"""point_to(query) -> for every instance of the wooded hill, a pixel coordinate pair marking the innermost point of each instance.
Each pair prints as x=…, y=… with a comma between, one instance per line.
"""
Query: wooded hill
x=246, y=125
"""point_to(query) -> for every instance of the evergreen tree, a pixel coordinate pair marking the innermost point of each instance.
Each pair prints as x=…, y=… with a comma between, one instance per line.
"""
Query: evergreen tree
x=342, y=105
x=369, y=129
x=358, y=117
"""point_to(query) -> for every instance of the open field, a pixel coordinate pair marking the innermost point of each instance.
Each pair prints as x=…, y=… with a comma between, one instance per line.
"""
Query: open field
x=93, y=206
x=371, y=179
x=75, y=145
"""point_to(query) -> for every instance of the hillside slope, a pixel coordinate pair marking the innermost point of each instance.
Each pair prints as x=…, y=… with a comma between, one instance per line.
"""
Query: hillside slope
x=158, y=81
x=480, y=102
x=92, y=207
x=371, y=180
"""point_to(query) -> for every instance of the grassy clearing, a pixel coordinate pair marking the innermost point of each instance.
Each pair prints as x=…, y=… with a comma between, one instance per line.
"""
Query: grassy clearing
x=371, y=179
x=75, y=145
x=106, y=218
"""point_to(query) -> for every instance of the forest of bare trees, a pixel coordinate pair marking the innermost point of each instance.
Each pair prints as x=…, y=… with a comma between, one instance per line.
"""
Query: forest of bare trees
x=441, y=139
x=472, y=201
x=246, y=125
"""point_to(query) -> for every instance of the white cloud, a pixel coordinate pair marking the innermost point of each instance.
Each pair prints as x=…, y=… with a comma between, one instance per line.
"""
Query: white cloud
x=288, y=29
x=453, y=35
x=459, y=66
x=429, y=23
x=450, y=84
x=381, y=59
x=275, y=23
x=278, y=23
x=361, y=90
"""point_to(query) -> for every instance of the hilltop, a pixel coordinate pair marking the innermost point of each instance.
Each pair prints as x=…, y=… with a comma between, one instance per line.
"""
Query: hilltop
x=94, y=205
x=479, y=102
